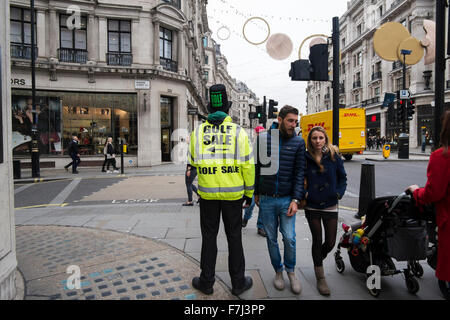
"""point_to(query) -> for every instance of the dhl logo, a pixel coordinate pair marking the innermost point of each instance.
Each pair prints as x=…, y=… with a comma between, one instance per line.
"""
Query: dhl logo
x=310, y=126
x=354, y=114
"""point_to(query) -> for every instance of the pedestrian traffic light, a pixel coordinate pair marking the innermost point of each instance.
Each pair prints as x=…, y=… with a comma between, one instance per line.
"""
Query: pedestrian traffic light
x=272, y=109
x=410, y=109
x=315, y=69
x=257, y=114
x=263, y=118
x=400, y=110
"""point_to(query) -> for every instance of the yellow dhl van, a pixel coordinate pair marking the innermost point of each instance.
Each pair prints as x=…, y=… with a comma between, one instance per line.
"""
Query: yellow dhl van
x=352, y=128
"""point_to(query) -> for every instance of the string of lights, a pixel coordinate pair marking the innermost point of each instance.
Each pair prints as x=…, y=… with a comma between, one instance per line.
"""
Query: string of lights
x=247, y=15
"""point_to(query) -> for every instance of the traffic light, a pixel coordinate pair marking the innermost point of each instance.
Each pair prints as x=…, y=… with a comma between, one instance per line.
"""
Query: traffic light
x=410, y=109
x=315, y=69
x=401, y=108
x=272, y=109
x=257, y=114
x=263, y=118
x=318, y=56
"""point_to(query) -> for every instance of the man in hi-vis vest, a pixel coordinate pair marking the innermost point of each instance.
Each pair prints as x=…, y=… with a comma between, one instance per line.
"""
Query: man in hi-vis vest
x=222, y=154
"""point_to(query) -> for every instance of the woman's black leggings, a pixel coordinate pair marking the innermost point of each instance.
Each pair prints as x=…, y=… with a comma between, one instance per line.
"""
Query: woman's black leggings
x=329, y=219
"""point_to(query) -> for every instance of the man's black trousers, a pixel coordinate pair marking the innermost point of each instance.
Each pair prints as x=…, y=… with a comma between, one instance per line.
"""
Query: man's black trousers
x=209, y=222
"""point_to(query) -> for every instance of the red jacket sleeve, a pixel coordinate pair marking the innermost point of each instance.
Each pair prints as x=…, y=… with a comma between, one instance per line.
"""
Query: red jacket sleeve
x=438, y=171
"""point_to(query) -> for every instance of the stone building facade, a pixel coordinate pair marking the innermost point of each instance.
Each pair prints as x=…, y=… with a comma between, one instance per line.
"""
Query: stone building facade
x=365, y=77
x=8, y=260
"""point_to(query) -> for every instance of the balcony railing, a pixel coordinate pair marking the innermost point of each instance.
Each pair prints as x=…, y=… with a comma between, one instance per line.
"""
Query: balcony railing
x=72, y=55
x=357, y=84
x=396, y=65
x=376, y=75
x=370, y=101
x=175, y=3
x=22, y=51
x=119, y=59
x=169, y=64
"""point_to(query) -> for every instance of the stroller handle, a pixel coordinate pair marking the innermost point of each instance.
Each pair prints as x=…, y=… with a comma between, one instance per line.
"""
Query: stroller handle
x=397, y=200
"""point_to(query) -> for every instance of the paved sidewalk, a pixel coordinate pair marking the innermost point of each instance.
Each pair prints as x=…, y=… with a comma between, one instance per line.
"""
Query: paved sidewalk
x=152, y=251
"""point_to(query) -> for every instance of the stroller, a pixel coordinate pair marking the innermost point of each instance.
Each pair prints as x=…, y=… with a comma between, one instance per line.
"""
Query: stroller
x=393, y=228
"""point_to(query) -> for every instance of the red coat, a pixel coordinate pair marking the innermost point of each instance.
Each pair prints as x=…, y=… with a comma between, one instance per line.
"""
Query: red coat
x=437, y=191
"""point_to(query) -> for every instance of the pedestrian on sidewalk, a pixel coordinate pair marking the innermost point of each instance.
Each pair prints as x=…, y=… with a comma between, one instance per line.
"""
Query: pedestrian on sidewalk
x=248, y=212
x=74, y=153
x=110, y=156
x=279, y=188
x=190, y=174
x=226, y=176
x=105, y=161
x=437, y=191
x=326, y=184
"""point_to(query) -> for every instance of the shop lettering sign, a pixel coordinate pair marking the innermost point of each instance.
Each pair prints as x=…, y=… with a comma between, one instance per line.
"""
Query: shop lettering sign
x=18, y=82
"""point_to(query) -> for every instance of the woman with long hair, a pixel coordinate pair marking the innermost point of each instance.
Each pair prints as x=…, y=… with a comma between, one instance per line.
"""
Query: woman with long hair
x=326, y=181
x=437, y=191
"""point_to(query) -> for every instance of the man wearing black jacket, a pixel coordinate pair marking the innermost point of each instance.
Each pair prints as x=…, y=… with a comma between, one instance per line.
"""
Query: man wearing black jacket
x=74, y=153
x=279, y=187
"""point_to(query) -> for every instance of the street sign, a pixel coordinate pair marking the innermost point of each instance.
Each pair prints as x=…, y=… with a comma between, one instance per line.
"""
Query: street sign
x=192, y=111
x=405, y=94
x=388, y=99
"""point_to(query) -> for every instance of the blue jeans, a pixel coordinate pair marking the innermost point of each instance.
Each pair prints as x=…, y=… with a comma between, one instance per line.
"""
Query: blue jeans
x=274, y=215
x=248, y=212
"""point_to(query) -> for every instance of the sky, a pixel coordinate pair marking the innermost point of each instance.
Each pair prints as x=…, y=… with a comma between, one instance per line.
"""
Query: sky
x=251, y=64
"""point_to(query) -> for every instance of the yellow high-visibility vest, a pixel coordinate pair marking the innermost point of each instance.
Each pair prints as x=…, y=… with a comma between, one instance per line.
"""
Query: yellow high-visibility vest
x=224, y=160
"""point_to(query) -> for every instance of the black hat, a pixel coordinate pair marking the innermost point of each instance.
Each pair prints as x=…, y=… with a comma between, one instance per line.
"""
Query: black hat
x=218, y=99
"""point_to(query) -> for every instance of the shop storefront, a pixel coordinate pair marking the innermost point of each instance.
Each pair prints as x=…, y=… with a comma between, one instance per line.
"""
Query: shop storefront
x=91, y=116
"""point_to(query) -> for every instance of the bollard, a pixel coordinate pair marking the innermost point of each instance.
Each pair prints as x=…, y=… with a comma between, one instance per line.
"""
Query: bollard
x=366, y=188
x=121, y=156
x=16, y=169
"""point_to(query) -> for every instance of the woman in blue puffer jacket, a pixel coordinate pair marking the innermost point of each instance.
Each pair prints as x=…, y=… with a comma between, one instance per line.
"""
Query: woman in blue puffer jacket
x=326, y=183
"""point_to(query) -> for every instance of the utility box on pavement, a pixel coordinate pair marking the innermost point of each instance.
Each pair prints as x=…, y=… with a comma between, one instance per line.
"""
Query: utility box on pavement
x=403, y=146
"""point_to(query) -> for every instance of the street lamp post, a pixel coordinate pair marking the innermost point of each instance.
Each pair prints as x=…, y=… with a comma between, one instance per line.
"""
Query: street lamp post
x=403, y=138
x=35, y=172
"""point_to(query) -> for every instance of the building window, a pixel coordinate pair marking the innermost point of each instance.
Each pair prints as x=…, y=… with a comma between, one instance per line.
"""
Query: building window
x=20, y=33
x=360, y=58
x=376, y=92
x=359, y=29
x=165, y=50
x=343, y=42
x=206, y=59
x=175, y=3
x=73, y=43
x=205, y=42
x=119, y=42
x=380, y=11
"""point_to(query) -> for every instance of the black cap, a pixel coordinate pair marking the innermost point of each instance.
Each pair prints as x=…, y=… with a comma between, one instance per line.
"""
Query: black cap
x=218, y=99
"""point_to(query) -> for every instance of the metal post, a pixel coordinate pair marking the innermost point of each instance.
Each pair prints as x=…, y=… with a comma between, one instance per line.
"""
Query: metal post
x=366, y=188
x=335, y=42
x=439, y=74
x=404, y=88
x=35, y=171
x=121, y=156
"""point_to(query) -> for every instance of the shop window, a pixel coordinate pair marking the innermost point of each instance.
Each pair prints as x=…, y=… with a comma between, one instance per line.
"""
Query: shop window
x=93, y=117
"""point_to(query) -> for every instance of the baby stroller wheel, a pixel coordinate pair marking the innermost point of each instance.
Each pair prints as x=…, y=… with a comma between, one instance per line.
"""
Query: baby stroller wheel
x=416, y=269
x=340, y=265
x=412, y=284
x=445, y=289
